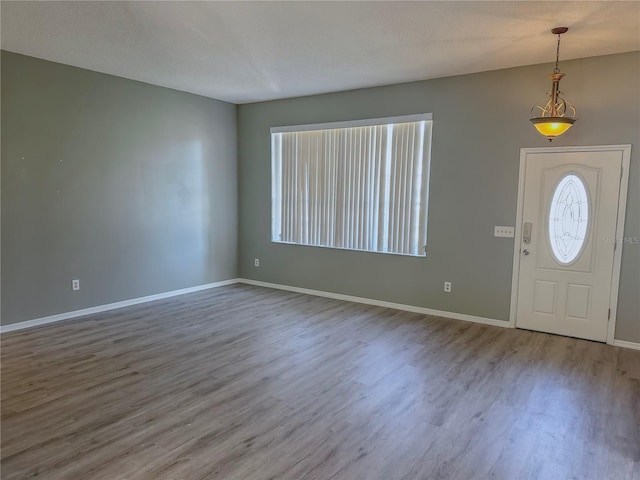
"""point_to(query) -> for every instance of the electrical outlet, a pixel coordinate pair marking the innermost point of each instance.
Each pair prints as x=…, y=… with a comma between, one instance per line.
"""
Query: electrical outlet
x=256, y=262
x=447, y=287
x=75, y=284
x=499, y=231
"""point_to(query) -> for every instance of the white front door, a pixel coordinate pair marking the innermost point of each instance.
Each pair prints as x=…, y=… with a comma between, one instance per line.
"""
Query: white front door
x=567, y=241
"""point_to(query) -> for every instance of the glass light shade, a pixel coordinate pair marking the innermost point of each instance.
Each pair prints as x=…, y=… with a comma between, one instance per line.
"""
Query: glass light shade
x=552, y=127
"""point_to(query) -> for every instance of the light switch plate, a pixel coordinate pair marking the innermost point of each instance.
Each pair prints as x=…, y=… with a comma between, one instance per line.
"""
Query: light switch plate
x=499, y=231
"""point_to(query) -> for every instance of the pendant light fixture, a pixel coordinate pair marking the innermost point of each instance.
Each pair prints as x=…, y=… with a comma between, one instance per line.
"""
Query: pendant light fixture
x=557, y=116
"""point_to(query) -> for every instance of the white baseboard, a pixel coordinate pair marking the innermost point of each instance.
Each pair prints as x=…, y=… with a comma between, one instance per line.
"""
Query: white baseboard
x=318, y=293
x=381, y=303
x=110, y=306
x=625, y=344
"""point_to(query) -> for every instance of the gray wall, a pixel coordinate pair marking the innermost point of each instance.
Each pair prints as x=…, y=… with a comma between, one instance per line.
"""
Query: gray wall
x=129, y=187
x=480, y=124
x=132, y=188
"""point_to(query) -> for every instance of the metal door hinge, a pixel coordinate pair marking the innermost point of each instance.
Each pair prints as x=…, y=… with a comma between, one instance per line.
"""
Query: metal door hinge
x=609, y=315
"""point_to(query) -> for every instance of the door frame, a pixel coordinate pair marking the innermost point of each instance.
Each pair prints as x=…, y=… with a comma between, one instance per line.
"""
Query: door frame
x=622, y=207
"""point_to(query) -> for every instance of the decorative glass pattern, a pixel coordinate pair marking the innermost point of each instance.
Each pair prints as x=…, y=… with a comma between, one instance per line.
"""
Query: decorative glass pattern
x=568, y=219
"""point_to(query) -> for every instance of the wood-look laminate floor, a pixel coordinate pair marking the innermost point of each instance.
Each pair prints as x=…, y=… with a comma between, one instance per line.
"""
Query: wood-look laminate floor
x=244, y=382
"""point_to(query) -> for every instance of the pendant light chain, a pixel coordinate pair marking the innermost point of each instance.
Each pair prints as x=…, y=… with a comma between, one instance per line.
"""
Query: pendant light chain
x=557, y=70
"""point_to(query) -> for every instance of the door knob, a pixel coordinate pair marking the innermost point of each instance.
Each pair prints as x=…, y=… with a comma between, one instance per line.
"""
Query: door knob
x=525, y=252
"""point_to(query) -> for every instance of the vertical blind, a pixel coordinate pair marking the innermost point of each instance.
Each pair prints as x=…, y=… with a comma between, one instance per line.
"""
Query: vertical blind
x=358, y=187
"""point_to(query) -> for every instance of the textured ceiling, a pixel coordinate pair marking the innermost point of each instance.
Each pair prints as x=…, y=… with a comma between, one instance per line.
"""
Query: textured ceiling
x=251, y=51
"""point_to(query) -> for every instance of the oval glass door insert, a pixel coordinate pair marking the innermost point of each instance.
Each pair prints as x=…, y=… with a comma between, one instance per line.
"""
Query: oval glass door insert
x=568, y=219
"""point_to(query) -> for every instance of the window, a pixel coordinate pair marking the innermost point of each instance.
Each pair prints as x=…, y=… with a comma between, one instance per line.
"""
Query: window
x=568, y=219
x=353, y=185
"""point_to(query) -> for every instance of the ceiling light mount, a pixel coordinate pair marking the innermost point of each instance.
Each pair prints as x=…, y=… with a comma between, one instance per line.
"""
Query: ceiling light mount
x=558, y=114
